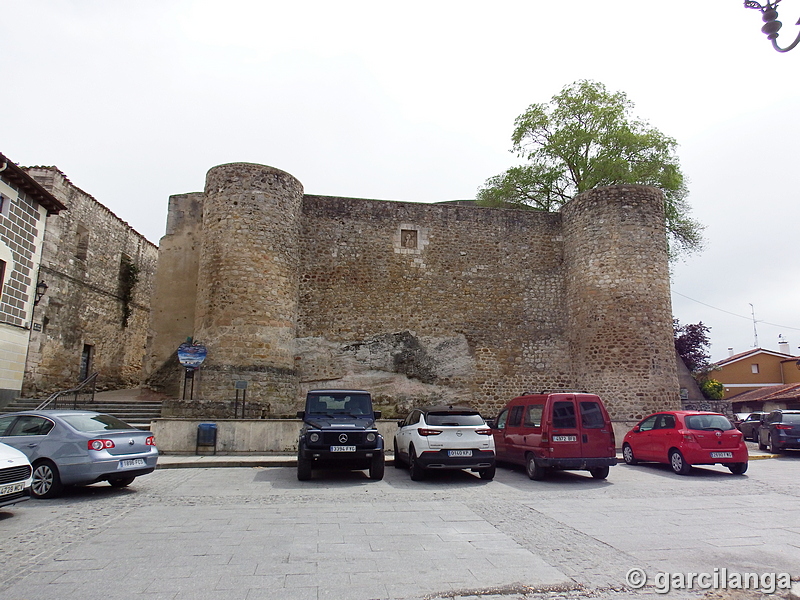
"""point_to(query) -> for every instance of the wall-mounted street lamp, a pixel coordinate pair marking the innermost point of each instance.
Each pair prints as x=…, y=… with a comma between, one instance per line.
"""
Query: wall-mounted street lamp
x=41, y=288
x=769, y=14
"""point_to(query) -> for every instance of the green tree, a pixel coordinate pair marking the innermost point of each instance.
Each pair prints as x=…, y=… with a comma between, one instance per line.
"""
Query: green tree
x=585, y=137
x=712, y=389
x=692, y=342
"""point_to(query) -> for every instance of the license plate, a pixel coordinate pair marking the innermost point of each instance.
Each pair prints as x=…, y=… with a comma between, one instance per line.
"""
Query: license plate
x=343, y=448
x=459, y=453
x=132, y=462
x=722, y=455
x=565, y=438
x=11, y=489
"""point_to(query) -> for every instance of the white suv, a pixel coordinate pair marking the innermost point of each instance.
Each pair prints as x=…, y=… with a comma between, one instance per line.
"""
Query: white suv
x=444, y=437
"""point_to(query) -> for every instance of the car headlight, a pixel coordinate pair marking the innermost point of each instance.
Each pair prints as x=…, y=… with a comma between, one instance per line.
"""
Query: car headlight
x=314, y=437
x=370, y=437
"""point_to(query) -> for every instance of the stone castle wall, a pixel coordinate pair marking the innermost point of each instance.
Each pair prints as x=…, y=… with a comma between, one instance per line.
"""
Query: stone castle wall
x=83, y=307
x=421, y=303
x=424, y=303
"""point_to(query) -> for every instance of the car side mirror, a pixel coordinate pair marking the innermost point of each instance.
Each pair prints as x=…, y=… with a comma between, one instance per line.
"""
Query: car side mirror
x=377, y=414
x=399, y=423
x=301, y=414
x=636, y=429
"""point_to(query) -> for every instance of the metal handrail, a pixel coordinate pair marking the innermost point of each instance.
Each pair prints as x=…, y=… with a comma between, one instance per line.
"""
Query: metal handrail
x=76, y=390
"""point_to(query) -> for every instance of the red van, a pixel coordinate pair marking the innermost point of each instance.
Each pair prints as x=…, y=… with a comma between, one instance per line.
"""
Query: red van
x=568, y=431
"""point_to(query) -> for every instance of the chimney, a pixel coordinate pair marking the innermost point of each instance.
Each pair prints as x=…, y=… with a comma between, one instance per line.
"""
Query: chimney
x=730, y=352
x=783, y=345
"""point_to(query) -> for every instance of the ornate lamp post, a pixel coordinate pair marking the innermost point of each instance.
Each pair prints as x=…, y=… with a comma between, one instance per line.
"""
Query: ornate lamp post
x=769, y=14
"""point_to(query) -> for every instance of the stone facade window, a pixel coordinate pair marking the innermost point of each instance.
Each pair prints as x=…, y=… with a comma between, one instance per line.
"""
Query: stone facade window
x=82, y=245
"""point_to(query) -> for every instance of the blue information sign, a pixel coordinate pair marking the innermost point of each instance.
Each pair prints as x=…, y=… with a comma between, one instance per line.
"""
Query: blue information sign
x=191, y=356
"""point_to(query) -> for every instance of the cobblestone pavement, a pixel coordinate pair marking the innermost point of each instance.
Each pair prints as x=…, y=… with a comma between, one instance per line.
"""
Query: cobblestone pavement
x=253, y=533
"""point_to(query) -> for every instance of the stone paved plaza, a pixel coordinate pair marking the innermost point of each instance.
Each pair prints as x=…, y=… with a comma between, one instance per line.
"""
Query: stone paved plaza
x=258, y=533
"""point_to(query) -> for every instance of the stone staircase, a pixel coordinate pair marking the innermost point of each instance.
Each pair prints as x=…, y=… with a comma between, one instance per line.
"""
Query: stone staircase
x=138, y=413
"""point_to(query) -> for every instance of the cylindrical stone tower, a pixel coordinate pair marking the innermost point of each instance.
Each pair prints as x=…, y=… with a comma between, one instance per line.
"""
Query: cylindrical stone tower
x=247, y=289
x=618, y=300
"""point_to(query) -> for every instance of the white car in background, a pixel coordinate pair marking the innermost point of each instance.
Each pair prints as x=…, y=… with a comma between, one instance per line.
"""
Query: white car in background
x=16, y=475
x=444, y=437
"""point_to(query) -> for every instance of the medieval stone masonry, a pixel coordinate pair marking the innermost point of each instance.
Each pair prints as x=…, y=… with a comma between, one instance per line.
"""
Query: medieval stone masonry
x=418, y=303
x=95, y=314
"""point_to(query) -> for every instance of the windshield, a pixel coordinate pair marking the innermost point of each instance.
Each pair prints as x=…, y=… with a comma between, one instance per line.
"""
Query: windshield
x=355, y=405
x=89, y=423
x=454, y=418
x=708, y=422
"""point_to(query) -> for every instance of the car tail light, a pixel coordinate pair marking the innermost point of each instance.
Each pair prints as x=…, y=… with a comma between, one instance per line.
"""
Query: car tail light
x=687, y=436
x=784, y=427
x=427, y=432
x=150, y=441
x=100, y=444
x=483, y=431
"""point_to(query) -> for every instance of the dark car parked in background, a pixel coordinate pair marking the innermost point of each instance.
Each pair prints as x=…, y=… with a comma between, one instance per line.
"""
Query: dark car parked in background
x=750, y=426
x=780, y=430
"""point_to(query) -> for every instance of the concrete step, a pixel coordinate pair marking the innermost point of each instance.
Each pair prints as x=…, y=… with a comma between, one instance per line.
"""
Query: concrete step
x=136, y=413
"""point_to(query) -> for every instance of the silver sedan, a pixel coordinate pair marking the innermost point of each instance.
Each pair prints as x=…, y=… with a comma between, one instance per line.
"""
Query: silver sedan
x=76, y=447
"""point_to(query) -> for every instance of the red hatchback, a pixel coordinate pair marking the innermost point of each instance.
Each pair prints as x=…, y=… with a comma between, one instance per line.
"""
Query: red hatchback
x=683, y=438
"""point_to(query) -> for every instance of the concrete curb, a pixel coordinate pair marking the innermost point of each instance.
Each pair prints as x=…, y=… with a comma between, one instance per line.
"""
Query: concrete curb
x=207, y=461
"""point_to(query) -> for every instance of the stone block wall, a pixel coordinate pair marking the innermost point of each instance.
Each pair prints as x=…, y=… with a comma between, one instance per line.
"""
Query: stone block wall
x=82, y=314
x=618, y=300
x=422, y=303
x=427, y=303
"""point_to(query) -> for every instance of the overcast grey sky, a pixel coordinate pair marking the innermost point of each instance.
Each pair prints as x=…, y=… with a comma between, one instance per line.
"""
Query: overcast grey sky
x=416, y=101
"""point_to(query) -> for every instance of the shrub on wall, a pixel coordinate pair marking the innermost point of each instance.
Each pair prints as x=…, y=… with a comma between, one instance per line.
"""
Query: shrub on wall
x=712, y=389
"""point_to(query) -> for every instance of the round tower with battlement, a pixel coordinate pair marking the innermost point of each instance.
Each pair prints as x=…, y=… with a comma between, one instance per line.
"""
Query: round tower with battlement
x=618, y=301
x=247, y=286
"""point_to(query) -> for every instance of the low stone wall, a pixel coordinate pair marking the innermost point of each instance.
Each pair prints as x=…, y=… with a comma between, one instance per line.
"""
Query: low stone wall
x=258, y=436
x=240, y=436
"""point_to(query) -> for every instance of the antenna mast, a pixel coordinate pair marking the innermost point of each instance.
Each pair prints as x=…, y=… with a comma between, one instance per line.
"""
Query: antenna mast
x=755, y=331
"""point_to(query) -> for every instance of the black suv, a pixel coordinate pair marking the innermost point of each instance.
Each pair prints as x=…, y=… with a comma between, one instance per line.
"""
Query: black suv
x=780, y=430
x=339, y=432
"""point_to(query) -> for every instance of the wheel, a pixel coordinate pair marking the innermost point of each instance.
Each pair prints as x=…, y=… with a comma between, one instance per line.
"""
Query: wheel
x=535, y=470
x=627, y=454
x=376, y=467
x=678, y=463
x=754, y=435
x=121, y=482
x=488, y=474
x=773, y=447
x=599, y=472
x=761, y=445
x=46, y=481
x=398, y=464
x=303, y=469
x=738, y=468
x=416, y=470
